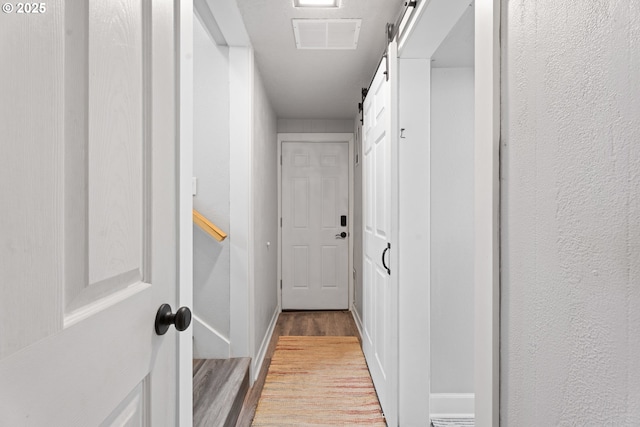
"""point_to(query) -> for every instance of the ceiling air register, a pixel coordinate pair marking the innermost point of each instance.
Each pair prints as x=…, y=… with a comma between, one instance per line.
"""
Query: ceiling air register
x=339, y=34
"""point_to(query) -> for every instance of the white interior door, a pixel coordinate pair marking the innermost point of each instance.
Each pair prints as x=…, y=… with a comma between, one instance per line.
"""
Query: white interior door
x=380, y=293
x=88, y=233
x=315, y=197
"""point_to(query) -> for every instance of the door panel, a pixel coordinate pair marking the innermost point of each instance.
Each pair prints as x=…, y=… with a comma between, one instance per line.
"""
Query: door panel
x=106, y=153
x=380, y=294
x=88, y=247
x=134, y=409
x=314, y=196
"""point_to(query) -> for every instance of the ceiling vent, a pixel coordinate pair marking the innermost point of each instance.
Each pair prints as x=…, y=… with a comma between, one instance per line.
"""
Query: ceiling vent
x=326, y=33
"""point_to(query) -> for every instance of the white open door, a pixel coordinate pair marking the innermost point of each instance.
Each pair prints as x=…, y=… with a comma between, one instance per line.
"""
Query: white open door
x=89, y=229
x=380, y=290
x=315, y=207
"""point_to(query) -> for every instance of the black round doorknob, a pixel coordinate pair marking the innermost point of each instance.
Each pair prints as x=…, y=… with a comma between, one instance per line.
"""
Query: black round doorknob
x=165, y=318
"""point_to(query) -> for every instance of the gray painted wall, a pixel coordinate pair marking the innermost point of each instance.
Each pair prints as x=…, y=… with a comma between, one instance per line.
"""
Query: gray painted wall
x=211, y=167
x=314, y=126
x=452, y=232
x=570, y=155
x=265, y=210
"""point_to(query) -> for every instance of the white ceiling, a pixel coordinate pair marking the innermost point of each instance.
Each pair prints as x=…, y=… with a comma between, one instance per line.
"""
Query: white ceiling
x=316, y=84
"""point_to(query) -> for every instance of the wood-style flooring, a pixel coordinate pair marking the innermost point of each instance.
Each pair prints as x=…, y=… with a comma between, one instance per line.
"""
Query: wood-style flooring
x=296, y=323
x=219, y=389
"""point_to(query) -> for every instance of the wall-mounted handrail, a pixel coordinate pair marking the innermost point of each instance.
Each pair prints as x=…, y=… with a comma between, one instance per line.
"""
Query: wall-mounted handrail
x=208, y=226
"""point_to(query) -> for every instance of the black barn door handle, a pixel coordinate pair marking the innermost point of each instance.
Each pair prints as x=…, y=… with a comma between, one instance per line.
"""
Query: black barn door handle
x=384, y=264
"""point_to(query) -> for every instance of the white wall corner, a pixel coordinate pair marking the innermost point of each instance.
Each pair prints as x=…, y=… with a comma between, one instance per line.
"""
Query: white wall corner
x=357, y=320
x=229, y=20
x=257, y=361
x=209, y=343
x=452, y=405
x=240, y=198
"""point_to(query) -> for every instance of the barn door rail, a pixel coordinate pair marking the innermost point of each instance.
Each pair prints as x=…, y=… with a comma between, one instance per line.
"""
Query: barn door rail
x=209, y=227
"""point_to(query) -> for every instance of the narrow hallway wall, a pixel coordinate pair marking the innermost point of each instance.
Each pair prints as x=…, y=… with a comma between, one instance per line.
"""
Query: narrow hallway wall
x=211, y=168
x=452, y=231
x=570, y=153
x=264, y=215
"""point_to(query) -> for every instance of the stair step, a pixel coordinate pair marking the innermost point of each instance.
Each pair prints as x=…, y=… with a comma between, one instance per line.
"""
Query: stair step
x=219, y=389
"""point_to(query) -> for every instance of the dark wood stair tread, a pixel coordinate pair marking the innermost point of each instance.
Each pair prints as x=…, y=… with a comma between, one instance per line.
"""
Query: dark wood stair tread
x=219, y=389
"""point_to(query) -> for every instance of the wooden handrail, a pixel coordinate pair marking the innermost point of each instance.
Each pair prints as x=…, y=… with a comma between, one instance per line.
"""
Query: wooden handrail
x=208, y=226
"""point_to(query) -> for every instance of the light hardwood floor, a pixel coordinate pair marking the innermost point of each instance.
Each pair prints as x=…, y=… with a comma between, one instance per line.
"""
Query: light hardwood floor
x=297, y=323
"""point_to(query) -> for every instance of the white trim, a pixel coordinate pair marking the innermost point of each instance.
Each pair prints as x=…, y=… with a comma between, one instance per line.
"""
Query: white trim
x=439, y=16
x=213, y=344
x=452, y=405
x=487, y=214
x=392, y=414
x=414, y=249
x=487, y=193
x=409, y=27
x=262, y=352
x=357, y=319
x=351, y=218
x=240, y=201
x=318, y=137
x=184, y=111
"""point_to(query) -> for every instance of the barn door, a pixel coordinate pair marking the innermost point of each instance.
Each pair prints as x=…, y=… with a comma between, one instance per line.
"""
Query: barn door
x=88, y=248
x=380, y=291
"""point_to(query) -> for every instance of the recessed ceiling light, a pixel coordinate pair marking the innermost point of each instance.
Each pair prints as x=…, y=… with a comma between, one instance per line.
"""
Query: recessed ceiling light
x=316, y=3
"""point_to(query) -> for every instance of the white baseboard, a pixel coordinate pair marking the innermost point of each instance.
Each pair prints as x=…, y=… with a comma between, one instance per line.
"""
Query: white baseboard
x=356, y=318
x=256, y=364
x=443, y=405
x=207, y=342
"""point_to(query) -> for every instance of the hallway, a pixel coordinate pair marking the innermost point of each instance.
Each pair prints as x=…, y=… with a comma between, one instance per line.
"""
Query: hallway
x=119, y=118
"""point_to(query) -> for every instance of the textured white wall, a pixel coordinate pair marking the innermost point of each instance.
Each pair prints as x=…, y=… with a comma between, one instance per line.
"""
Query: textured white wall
x=452, y=233
x=265, y=211
x=571, y=213
x=211, y=167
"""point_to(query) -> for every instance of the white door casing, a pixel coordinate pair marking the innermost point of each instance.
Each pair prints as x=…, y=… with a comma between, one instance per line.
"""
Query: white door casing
x=315, y=194
x=88, y=175
x=380, y=291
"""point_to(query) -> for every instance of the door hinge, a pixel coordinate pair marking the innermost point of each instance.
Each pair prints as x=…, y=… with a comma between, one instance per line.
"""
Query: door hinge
x=281, y=159
x=280, y=284
x=280, y=222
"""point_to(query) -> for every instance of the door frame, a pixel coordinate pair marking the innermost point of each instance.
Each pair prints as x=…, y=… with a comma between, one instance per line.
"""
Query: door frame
x=487, y=203
x=316, y=138
x=487, y=212
x=184, y=120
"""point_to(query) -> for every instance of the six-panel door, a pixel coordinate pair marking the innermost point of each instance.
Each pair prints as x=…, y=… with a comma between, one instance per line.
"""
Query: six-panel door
x=88, y=230
x=315, y=195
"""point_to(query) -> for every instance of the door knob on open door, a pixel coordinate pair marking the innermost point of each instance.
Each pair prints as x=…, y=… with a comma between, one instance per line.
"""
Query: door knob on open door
x=165, y=318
